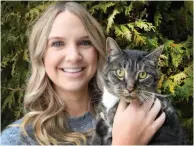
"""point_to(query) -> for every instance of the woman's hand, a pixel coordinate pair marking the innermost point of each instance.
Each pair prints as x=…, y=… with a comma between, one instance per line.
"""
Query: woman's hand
x=135, y=124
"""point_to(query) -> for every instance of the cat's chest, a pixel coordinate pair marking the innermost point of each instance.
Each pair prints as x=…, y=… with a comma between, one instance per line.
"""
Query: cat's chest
x=109, y=100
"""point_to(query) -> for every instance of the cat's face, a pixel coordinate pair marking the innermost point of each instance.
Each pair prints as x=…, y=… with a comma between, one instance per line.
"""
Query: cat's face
x=130, y=73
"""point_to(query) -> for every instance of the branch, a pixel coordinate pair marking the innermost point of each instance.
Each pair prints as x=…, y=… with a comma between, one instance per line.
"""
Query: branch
x=12, y=89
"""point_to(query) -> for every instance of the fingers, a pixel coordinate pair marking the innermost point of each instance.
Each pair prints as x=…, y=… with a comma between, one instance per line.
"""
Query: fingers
x=155, y=109
x=152, y=129
x=148, y=104
x=135, y=103
x=134, y=106
x=158, y=123
x=122, y=105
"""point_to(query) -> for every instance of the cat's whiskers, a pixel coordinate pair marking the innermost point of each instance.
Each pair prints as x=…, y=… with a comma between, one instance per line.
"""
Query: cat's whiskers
x=122, y=92
x=141, y=98
x=155, y=94
x=111, y=90
x=146, y=96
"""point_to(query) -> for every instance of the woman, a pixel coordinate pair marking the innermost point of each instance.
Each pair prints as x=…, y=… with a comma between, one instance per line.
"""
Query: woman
x=67, y=51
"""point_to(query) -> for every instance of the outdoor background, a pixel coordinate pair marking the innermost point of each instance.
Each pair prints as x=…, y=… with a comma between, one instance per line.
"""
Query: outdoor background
x=139, y=25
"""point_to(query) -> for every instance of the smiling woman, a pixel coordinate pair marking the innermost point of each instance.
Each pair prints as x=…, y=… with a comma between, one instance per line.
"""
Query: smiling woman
x=71, y=68
x=67, y=53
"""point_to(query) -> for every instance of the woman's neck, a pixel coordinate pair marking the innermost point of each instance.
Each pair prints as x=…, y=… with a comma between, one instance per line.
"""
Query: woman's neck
x=76, y=103
x=77, y=108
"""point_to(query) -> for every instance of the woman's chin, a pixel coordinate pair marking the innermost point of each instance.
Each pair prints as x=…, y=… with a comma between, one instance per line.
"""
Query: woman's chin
x=74, y=87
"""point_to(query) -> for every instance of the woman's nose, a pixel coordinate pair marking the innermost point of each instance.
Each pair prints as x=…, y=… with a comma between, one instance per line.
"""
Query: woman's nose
x=73, y=54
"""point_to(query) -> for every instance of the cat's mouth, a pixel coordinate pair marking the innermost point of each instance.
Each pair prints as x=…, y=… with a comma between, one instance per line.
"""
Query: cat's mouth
x=131, y=97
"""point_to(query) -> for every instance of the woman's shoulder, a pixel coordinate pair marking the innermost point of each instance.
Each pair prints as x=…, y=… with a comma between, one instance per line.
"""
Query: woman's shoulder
x=12, y=135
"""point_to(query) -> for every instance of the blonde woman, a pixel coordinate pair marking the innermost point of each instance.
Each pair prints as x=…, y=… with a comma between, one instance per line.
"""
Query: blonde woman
x=67, y=51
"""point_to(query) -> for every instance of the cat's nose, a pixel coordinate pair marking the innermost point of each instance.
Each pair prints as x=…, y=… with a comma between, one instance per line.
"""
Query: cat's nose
x=130, y=88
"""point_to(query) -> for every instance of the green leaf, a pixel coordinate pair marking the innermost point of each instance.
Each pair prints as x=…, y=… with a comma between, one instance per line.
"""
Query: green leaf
x=138, y=39
x=128, y=9
x=178, y=78
x=101, y=6
x=111, y=20
x=144, y=25
x=157, y=18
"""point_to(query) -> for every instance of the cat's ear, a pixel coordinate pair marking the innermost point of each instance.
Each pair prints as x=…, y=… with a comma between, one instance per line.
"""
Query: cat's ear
x=153, y=56
x=112, y=47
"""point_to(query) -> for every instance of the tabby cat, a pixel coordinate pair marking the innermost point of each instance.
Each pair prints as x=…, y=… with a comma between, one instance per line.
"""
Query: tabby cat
x=126, y=73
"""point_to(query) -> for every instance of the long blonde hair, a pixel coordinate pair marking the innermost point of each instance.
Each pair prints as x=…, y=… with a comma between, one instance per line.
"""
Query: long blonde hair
x=45, y=110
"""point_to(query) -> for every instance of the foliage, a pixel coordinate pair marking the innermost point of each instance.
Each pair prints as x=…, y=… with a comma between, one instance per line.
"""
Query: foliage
x=16, y=18
x=142, y=25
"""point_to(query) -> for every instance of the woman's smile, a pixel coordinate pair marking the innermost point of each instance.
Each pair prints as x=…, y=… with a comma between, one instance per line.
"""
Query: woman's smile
x=73, y=72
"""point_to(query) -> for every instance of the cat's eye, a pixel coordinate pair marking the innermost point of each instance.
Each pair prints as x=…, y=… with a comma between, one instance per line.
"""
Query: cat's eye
x=120, y=73
x=142, y=75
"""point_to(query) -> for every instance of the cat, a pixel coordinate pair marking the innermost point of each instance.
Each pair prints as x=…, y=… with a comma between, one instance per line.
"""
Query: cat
x=128, y=73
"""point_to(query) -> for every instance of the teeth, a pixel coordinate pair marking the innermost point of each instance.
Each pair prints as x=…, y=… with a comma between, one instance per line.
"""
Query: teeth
x=72, y=70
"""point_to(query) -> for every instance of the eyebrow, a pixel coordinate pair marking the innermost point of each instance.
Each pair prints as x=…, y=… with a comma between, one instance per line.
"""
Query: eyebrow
x=62, y=38
x=55, y=37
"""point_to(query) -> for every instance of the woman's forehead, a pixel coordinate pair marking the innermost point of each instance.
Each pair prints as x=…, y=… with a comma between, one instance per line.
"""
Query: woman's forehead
x=66, y=24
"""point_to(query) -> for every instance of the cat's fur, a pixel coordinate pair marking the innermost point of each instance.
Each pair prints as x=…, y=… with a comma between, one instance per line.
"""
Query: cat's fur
x=133, y=63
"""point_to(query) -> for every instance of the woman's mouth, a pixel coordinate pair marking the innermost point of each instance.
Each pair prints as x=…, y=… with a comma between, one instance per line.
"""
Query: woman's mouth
x=73, y=70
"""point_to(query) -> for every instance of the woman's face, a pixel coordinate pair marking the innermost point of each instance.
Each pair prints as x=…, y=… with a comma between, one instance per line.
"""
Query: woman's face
x=70, y=59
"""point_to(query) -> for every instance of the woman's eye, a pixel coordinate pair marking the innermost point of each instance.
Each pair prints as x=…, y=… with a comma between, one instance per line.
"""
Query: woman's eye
x=58, y=43
x=85, y=43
